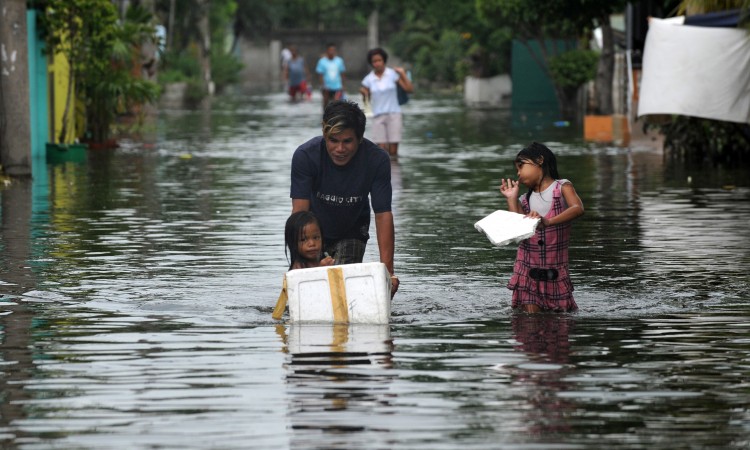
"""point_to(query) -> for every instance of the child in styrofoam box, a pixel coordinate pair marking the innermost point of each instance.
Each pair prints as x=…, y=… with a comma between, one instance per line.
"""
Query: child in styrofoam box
x=304, y=242
x=304, y=249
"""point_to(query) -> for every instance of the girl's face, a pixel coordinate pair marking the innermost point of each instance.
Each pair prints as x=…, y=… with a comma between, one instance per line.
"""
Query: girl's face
x=530, y=173
x=310, y=243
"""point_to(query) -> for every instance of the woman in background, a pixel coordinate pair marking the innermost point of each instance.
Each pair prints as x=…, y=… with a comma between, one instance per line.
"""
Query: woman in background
x=379, y=88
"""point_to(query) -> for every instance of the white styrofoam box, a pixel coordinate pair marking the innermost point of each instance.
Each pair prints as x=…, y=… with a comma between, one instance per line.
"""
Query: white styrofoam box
x=505, y=227
x=309, y=338
x=366, y=297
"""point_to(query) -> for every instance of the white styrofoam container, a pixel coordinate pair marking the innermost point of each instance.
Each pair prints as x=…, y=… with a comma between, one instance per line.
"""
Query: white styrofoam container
x=505, y=227
x=367, y=293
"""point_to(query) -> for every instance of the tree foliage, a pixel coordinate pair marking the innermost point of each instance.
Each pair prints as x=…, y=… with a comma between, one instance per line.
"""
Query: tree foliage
x=181, y=61
x=697, y=140
x=258, y=17
x=447, y=40
x=567, y=20
x=573, y=68
x=100, y=50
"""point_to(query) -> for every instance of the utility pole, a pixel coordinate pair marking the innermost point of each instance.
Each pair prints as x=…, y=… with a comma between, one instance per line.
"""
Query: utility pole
x=15, y=120
x=205, y=45
x=373, y=40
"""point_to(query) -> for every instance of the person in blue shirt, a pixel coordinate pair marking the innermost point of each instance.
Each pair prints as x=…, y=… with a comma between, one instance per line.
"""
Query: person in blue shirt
x=331, y=70
x=338, y=176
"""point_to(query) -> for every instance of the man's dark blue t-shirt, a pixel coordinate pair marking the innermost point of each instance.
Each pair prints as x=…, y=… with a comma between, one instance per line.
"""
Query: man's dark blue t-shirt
x=339, y=194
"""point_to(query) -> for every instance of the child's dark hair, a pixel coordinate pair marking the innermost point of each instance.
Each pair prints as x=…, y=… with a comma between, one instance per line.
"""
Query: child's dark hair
x=295, y=226
x=540, y=155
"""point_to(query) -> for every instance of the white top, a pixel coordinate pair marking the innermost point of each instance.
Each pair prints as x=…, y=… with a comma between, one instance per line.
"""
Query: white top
x=541, y=202
x=286, y=56
x=383, y=95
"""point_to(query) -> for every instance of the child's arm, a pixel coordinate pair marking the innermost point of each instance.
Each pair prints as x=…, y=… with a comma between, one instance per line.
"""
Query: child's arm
x=575, y=207
x=509, y=188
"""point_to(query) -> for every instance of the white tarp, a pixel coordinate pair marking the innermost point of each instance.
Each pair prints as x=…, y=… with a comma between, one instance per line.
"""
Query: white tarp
x=696, y=71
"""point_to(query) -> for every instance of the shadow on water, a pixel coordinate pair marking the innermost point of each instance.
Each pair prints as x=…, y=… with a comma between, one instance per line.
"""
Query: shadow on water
x=137, y=288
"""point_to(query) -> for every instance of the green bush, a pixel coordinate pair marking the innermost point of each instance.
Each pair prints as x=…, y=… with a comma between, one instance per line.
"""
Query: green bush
x=195, y=92
x=181, y=66
x=444, y=61
x=573, y=68
x=171, y=76
x=225, y=70
x=184, y=67
x=697, y=140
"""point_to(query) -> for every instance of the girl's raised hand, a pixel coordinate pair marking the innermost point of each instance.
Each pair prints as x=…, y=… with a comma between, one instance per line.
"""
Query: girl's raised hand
x=509, y=188
x=327, y=261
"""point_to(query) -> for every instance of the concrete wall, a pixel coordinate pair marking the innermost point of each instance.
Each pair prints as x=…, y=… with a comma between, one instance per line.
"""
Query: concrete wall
x=490, y=92
x=261, y=57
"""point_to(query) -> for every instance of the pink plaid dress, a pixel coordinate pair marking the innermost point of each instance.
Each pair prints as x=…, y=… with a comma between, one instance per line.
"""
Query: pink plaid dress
x=547, y=249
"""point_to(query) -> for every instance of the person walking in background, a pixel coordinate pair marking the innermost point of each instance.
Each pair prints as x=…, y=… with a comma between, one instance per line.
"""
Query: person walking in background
x=540, y=280
x=331, y=70
x=380, y=89
x=285, y=56
x=295, y=75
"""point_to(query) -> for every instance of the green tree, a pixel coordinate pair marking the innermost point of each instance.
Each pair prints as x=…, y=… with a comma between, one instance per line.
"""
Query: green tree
x=198, y=32
x=568, y=20
x=100, y=50
x=447, y=40
x=78, y=40
x=109, y=87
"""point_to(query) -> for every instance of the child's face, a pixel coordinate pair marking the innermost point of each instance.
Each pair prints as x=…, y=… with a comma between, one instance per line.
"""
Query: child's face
x=529, y=172
x=310, y=243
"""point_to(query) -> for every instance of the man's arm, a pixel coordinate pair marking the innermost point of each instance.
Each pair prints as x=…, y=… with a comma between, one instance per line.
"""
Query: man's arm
x=386, y=243
x=300, y=204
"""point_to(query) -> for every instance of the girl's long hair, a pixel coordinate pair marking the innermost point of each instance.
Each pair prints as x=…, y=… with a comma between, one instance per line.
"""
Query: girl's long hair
x=295, y=226
x=542, y=156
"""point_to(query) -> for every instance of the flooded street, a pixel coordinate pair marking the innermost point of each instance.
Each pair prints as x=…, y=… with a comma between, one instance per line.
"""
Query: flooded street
x=136, y=290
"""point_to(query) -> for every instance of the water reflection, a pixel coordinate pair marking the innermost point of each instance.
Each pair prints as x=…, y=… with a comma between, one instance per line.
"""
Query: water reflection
x=16, y=318
x=545, y=339
x=336, y=368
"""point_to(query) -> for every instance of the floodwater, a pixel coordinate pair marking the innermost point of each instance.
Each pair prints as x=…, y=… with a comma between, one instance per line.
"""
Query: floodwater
x=136, y=290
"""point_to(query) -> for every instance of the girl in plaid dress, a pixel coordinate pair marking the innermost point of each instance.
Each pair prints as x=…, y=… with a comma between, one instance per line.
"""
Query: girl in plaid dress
x=540, y=280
